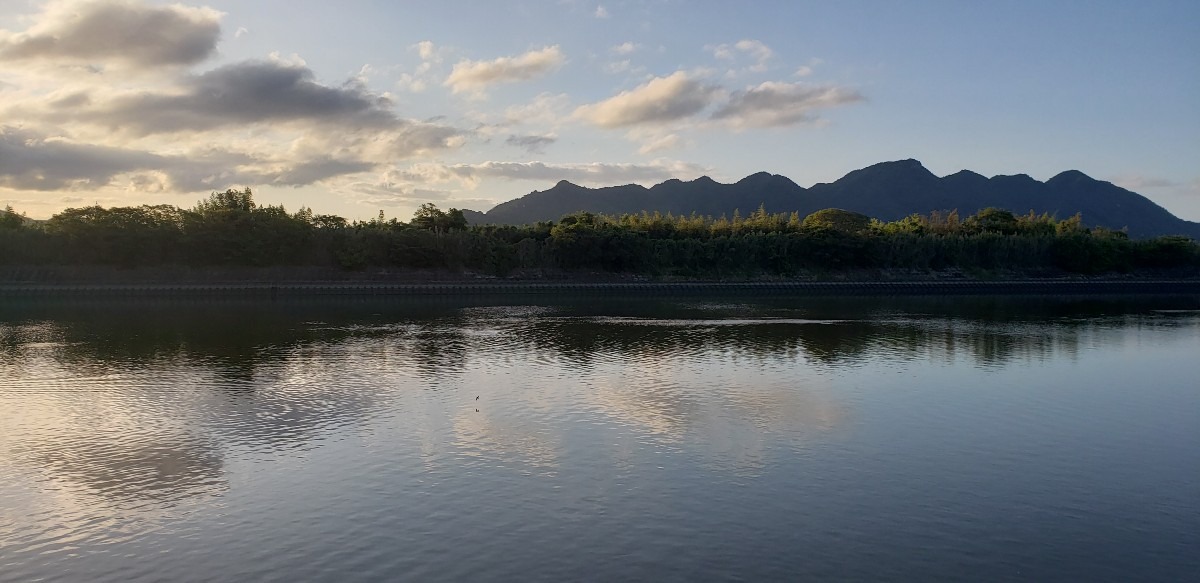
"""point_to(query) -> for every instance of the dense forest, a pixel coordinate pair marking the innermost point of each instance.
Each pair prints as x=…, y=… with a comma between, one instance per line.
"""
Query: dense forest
x=229, y=229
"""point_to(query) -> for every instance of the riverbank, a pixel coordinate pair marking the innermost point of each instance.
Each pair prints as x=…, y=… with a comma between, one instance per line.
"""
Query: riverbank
x=814, y=288
x=317, y=281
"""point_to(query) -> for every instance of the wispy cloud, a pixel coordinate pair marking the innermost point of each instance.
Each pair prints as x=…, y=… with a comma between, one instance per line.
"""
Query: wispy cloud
x=759, y=52
x=534, y=144
x=625, y=48
x=590, y=173
x=476, y=76
x=1136, y=182
x=545, y=109
x=774, y=104
x=660, y=144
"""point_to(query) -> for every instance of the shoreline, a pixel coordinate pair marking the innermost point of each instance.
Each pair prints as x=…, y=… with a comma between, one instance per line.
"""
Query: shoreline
x=272, y=290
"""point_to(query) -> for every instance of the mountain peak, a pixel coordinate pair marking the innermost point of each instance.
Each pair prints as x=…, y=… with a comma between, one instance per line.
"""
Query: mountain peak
x=756, y=177
x=909, y=172
x=1070, y=177
x=967, y=174
x=1022, y=178
x=906, y=164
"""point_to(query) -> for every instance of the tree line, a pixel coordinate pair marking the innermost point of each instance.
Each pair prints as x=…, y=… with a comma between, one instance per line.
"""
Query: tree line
x=228, y=229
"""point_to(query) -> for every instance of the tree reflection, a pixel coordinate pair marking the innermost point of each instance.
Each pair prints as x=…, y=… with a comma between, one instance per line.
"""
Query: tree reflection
x=181, y=384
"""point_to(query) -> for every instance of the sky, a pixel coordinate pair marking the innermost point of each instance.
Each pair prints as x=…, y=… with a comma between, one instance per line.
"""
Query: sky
x=354, y=107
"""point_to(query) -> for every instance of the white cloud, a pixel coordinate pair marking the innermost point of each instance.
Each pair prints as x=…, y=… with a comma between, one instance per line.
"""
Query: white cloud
x=475, y=76
x=806, y=70
x=774, y=104
x=546, y=109
x=618, y=67
x=759, y=52
x=1136, y=182
x=601, y=12
x=240, y=32
x=427, y=51
x=625, y=48
x=421, y=77
x=661, y=143
x=658, y=101
x=120, y=33
x=407, y=82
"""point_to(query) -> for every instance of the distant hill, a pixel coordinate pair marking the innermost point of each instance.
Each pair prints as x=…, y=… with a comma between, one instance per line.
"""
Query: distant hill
x=887, y=191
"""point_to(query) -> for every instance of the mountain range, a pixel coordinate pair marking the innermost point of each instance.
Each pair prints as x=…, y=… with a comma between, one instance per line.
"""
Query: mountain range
x=886, y=191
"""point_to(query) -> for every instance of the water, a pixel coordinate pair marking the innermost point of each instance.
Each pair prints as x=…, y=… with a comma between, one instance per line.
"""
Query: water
x=635, y=439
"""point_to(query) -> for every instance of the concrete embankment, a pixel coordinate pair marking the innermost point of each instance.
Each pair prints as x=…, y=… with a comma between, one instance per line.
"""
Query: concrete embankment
x=293, y=289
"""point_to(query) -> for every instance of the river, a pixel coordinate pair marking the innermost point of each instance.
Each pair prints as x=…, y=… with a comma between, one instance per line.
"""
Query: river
x=685, y=439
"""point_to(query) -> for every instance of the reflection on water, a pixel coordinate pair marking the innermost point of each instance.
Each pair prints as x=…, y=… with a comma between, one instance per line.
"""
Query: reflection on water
x=605, y=439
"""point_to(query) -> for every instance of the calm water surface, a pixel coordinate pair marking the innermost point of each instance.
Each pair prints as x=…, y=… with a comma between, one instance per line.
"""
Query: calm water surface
x=638, y=439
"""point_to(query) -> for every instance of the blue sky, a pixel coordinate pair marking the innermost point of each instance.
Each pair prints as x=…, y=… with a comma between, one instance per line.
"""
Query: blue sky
x=360, y=106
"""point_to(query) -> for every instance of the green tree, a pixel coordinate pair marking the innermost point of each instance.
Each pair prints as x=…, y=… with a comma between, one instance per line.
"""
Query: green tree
x=839, y=220
x=992, y=220
x=9, y=219
x=431, y=218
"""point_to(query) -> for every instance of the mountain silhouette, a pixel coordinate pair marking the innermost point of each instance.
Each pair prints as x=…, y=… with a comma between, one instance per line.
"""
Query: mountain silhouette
x=887, y=191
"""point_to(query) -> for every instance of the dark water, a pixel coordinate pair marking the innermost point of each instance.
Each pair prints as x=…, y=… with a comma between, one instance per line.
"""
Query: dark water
x=725, y=439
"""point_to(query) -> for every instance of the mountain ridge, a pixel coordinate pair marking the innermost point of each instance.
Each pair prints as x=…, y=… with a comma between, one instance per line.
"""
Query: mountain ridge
x=886, y=191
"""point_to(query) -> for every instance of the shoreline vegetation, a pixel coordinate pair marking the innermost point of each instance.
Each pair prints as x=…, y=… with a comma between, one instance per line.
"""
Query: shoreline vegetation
x=228, y=239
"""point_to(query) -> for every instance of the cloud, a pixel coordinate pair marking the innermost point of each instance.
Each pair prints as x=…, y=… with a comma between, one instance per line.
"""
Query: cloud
x=546, y=109
x=475, y=76
x=419, y=80
x=427, y=51
x=591, y=173
x=120, y=32
x=806, y=70
x=29, y=161
x=618, y=66
x=1136, y=181
x=261, y=93
x=660, y=100
x=407, y=82
x=240, y=32
x=625, y=48
x=774, y=104
x=386, y=191
x=756, y=50
x=243, y=93
x=32, y=162
x=534, y=144
x=667, y=142
x=601, y=12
